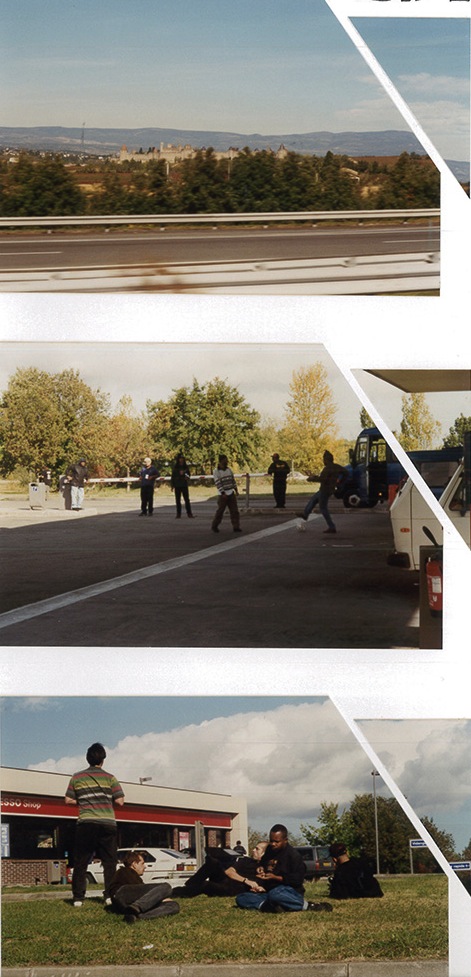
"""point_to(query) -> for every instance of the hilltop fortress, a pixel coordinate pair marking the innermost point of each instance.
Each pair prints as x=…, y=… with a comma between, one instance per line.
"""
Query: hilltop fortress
x=175, y=154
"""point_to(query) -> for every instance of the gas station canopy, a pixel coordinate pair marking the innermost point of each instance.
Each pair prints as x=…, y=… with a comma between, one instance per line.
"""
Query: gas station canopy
x=425, y=381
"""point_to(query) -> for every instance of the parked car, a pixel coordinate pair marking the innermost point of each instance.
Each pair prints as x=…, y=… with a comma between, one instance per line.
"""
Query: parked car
x=317, y=860
x=161, y=864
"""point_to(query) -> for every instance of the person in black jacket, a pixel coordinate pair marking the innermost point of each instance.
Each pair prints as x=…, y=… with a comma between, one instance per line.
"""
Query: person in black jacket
x=136, y=899
x=280, y=471
x=281, y=874
x=147, y=477
x=179, y=482
x=76, y=476
x=224, y=875
x=353, y=877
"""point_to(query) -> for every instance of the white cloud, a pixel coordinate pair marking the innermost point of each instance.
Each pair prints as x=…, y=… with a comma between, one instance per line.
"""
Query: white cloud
x=433, y=86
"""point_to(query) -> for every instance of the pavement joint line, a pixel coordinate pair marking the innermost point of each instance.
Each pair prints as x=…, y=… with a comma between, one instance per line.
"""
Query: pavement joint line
x=20, y=614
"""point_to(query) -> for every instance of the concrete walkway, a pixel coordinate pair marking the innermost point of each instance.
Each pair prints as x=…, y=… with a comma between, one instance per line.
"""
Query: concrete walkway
x=370, y=968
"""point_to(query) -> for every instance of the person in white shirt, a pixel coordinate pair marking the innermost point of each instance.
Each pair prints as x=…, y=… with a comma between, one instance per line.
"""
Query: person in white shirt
x=227, y=495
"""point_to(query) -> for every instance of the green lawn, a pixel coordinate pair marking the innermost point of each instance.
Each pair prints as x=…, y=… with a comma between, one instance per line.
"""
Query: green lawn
x=410, y=922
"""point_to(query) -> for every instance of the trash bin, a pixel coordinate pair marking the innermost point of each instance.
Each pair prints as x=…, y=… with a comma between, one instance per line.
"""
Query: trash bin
x=53, y=871
x=38, y=493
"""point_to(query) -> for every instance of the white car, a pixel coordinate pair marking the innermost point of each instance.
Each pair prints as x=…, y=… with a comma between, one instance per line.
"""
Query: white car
x=162, y=864
x=410, y=512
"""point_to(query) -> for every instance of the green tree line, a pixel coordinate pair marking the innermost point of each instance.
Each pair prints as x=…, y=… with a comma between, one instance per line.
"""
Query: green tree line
x=48, y=420
x=252, y=181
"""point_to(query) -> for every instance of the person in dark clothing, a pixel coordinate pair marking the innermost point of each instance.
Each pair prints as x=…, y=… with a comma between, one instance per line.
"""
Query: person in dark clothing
x=76, y=476
x=136, y=899
x=281, y=874
x=239, y=848
x=280, y=471
x=148, y=476
x=353, y=877
x=223, y=875
x=179, y=483
x=328, y=479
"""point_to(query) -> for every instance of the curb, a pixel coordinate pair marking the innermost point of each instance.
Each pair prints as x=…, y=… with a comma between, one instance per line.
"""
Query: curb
x=371, y=968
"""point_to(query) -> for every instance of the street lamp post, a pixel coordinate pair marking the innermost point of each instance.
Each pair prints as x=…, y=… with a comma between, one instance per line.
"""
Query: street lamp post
x=375, y=774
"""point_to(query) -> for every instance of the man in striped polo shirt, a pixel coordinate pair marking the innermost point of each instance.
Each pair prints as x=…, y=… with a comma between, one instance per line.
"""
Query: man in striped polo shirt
x=96, y=793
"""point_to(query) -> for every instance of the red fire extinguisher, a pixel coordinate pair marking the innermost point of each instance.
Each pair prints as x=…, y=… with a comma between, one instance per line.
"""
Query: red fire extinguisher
x=434, y=576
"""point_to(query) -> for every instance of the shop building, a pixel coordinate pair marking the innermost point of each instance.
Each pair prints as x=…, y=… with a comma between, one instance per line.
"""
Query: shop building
x=38, y=828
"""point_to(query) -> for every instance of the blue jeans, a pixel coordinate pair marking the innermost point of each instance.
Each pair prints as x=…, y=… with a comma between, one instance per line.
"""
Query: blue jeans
x=323, y=499
x=77, y=496
x=282, y=895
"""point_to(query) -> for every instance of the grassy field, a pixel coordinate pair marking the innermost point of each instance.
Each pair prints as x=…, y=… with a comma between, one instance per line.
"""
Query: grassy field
x=409, y=922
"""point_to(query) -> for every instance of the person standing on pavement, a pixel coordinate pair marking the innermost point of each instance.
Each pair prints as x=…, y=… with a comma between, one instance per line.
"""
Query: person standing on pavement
x=281, y=875
x=227, y=495
x=135, y=898
x=179, y=482
x=147, y=477
x=97, y=793
x=76, y=476
x=328, y=479
x=279, y=470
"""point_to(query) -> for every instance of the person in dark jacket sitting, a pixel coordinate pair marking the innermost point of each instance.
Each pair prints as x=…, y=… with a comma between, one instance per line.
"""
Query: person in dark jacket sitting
x=281, y=875
x=136, y=899
x=353, y=877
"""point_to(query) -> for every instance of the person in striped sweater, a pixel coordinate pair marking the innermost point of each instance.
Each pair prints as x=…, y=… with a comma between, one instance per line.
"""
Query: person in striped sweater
x=96, y=793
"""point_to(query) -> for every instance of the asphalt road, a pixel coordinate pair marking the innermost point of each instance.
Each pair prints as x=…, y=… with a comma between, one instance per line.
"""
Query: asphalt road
x=58, y=250
x=165, y=583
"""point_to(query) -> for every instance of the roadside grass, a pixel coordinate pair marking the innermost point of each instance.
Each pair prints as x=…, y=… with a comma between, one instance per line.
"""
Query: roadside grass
x=410, y=922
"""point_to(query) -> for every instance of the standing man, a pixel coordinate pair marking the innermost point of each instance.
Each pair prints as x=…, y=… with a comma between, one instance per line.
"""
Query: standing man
x=96, y=793
x=280, y=471
x=76, y=476
x=282, y=875
x=179, y=482
x=328, y=479
x=148, y=475
x=227, y=495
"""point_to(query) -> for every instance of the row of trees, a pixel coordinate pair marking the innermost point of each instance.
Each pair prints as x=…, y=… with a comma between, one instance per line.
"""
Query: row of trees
x=49, y=420
x=252, y=181
x=355, y=827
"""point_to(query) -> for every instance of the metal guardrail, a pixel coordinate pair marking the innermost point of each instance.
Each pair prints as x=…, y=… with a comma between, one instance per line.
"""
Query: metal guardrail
x=197, y=479
x=250, y=217
x=363, y=274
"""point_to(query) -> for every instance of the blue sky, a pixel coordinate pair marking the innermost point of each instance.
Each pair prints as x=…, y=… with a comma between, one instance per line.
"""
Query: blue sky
x=286, y=755
x=272, y=66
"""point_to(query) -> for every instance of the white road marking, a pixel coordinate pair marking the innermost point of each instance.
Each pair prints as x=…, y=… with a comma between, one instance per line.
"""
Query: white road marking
x=29, y=611
x=21, y=254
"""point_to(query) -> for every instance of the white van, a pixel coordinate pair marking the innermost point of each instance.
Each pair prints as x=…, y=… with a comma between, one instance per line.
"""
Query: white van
x=410, y=512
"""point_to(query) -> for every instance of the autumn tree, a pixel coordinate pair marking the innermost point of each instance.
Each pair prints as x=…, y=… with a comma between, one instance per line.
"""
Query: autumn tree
x=49, y=420
x=203, y=421
x=365, y=419
x=127, y=438
x=419, y=429
x=309, y=427
x=456, y=433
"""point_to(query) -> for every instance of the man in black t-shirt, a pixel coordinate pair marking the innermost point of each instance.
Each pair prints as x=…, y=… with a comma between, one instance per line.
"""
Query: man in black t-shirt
x=281, y=875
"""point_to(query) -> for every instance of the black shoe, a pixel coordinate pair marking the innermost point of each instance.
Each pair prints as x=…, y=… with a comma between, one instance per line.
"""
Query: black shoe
x=214, y=529
x=237, y=529
x=143, y=513
x=130, y=918
x=319, y=907
x=191, y=516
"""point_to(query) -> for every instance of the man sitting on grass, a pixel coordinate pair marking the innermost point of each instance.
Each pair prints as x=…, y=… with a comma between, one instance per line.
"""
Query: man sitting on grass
x=281, y=875
x=136, y=899
x=353, y=877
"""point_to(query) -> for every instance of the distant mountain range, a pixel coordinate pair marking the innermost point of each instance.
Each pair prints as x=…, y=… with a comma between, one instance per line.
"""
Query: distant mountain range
x=390, y=142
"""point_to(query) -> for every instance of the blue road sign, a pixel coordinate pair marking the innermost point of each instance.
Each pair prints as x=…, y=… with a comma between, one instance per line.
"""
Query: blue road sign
x=417, y=843
x=460, y=866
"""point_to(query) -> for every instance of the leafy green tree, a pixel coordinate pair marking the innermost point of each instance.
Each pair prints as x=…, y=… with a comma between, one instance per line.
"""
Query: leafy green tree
x=419, y=429
x=365, y=419
x=333, y=827
x=203, y=421
x=455, y=436
x=202, y=184
x=49, y=420
x=112, y=198
x=41, y=188
x=309, y=426
x=412, y=182
x=127, y=439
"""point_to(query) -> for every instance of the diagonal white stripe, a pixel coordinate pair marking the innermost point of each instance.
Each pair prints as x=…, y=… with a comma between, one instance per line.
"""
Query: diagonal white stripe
x=26, y=613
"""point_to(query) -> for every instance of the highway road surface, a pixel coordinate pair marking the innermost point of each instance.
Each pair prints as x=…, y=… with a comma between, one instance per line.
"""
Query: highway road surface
x=58, y=250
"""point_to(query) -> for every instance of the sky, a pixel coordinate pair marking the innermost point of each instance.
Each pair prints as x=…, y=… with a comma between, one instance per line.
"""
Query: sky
x=261, y=372
x=271, y=67
x=285, y=755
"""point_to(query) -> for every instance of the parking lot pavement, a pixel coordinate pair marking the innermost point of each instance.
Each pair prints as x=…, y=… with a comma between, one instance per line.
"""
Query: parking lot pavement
x=112, y=579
